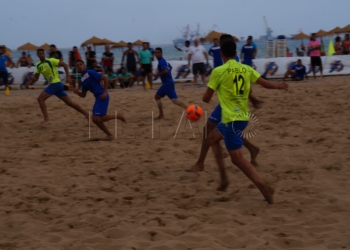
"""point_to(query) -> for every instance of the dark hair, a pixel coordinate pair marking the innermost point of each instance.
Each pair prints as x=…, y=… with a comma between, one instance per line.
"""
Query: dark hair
x=109, y=68
x=24, y=53
x=79, y=61
x=313, y=34
x=225, y=37
x=299, y=60
x=160, y=49
x=75, y=47
x=250, y=38
x=144, y=43
x=337, y=39
x=40, y=50
x=122, y=68
x=228, y=48
x=129, y=43
x=52, y=45
x=188, y=41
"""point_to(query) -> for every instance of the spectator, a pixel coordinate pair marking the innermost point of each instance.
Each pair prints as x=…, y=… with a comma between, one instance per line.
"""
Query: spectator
x=197, y=54
x=54, y=53
x=145, y=57
x=150, y=50
x=8, y=53
x=255, y=47
x=23, y=61
x=249, y=52
x=346, y=45
x=214, y=51
x=112, y=78
x=298, y=52
x=30, y=59
x=74, y=55
x=107, y=58
x=297, y=72
x=90, y=57
x=125, y=78
x=138, y=76
x=96, y=67
x=185, y=50
x=131, y=62
x=338, y=46
x=3, y=70
x=314, y=48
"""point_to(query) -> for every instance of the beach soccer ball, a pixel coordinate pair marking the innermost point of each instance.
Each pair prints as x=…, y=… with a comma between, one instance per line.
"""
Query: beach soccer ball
x=194, y=112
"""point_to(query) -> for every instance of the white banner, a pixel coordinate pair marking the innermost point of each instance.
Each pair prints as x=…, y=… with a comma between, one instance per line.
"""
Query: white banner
x=272, y=68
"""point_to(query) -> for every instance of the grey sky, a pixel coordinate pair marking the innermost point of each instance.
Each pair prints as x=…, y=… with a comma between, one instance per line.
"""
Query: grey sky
x=67, y=23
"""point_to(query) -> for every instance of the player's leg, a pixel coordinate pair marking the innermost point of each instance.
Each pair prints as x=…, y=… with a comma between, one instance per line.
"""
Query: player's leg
x=150, y=77
x=160, y=94
x=215, y=138
x=248, y=169
x=4, y=76
x=321, y=67
x=144, y=74
x=41, y=100
x=99, y=111
x=213, y=120
x=171, y=93
x=253, y=150
x=202, y=72
x=313, y=66
x=99, y=123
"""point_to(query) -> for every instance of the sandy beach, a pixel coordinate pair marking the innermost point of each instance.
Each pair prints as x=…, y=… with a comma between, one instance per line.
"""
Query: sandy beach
x=58, y=190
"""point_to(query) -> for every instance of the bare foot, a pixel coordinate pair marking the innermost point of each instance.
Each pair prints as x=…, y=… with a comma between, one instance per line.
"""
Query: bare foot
x=108, y=138
x=121, y=117
x=223, y=186
x=268, y=193
x=195, y=168
x=159, y=117
x=44, y=124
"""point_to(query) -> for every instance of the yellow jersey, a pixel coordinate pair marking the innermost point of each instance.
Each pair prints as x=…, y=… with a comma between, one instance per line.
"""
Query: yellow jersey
x=232, y=82
x=48, y=69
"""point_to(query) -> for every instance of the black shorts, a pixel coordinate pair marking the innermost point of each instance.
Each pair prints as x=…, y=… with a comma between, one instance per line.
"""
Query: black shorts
x=4, y=77
x=346, y=52
x=198, y=67
x=131, y=68
x=316, y=61
x=147, y=68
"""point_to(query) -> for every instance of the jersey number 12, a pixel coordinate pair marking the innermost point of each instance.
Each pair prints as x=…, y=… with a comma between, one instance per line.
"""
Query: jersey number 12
x=238, y=83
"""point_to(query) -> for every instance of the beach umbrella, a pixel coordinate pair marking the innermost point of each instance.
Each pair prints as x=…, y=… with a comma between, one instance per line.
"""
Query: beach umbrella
x=334, y=31
x=93, y=41
x=300, y=36
x=214, y=34
x=106, y=41
x=345, y=29
x=138, y=42
x=28, y=46
x=321, y=33
x=45, y=46
x=121, y=44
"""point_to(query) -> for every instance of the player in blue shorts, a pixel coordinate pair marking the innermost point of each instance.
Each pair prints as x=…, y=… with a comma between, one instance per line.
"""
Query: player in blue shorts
x=215, y=119
x=232, y=82
x=48, y=68
x=97, y=84
x=168, y=85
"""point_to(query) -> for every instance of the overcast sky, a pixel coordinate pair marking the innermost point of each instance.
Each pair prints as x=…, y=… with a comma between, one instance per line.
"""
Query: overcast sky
x=67, y=23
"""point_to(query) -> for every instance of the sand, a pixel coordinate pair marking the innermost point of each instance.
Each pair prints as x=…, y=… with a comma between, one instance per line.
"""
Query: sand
x=58, y=190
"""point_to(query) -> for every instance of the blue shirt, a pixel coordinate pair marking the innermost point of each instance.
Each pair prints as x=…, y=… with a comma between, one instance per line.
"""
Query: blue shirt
x=3, y=59
x=215, y=52
x=248, y=50
x=237, y=58
x=167, y=79
x=299, y=71
x=90, y=81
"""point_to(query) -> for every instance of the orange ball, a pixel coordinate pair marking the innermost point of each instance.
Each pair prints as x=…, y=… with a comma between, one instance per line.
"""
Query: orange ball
x=194, y=112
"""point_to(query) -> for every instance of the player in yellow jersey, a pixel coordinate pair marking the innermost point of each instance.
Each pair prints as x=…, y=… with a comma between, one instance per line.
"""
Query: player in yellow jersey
x=232, y=82
x=48, y=68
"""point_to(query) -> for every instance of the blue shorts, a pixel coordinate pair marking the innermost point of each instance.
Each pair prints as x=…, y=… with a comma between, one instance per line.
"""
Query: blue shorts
x=301, y=77
x=215, y=116
x=248, y=62
x=168, y=91
x=232, y=134
x=56, y=89
x=101, y=106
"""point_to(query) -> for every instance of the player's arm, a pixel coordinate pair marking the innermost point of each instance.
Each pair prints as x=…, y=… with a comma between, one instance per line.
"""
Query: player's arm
x=34, y=78
x=105, y=80
x=66, y=69
x=255, y=101
x=77, y=92
x=177, y=48
x=208, y=95
x=271, y=85
x=210, y=52
x=255, y=52
x=189, y=59
x=163, y=72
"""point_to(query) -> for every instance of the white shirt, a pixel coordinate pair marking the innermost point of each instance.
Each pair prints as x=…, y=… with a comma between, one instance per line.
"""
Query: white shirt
x=186, y=51
x=197, y=54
